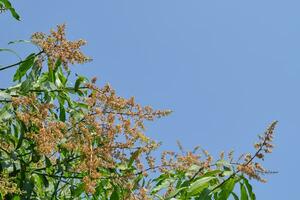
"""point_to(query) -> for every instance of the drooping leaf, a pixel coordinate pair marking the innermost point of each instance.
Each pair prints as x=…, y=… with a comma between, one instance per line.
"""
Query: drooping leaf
x=249, y=189
x=244, y=195
x=227, y=188
x=19, y=41
x=11, y=9
x=24, y=67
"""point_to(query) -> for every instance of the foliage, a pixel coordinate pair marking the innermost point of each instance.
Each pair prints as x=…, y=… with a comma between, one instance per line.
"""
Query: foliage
x=6, y=5
x=62, y=137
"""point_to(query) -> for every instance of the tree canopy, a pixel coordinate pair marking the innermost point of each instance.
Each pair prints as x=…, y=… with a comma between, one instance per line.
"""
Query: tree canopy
x=64, y=137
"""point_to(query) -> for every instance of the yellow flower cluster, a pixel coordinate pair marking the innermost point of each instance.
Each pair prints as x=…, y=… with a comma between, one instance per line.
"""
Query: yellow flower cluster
x=33, y=113
x=254, y=169
x=7, y=186
x=57, y=47
x=111, y=129
x=110, y=117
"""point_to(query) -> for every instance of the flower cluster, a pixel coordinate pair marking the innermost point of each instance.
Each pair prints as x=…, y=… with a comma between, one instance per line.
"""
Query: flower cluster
x=103, y=137
x=185, y=160
x=46, y=132
x=57, y=47
x=118, y=125
x=255, y=169
x=8, y=186
x=109, y=132
x=2, y=8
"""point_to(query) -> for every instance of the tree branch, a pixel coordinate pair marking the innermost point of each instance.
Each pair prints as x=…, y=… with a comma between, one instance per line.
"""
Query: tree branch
x=18, y=63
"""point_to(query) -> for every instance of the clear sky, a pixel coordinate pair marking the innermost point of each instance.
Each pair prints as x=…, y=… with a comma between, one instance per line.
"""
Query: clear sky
x=227, y=68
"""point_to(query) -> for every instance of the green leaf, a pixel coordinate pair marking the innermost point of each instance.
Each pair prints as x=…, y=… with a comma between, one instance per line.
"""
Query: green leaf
x=14, y=14
x=28, y=187
x=249, y=189
x=115, y=195
x=227, y=188
x=62, y=112
x=58, y=83
x=63, y=79
x=21, y=136
x=49, y=86
x=122, y=166
x=35, y=157
x=244, y=195
x=134, y=155
x=82, y=105
x=5, y=112
x=11, y=9
x=78, y=82
x=174, y=193
x=4, y=95
x=192, y=170
x=212, y=173
x=16, y=197
x=26, y=85
x=19, y=41
x=78, y=191
x=41, y=81
x=47, y=162
x=204, y=195
x=235, y=196
x=5, y=115
x=162, y=185
x=199, y=185
x=24, y=67
x=44, y=180
x=57, y=64
x=221, y=163
x=31, y=78
x=51, y=72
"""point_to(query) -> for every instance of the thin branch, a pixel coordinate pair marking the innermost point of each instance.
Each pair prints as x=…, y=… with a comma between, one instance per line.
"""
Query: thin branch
x=248, y=162
x=68, y=160
x=56, y=186
x=18, y=63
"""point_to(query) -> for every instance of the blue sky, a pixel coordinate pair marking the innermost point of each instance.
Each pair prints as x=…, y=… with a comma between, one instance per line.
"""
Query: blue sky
x=226, y=68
